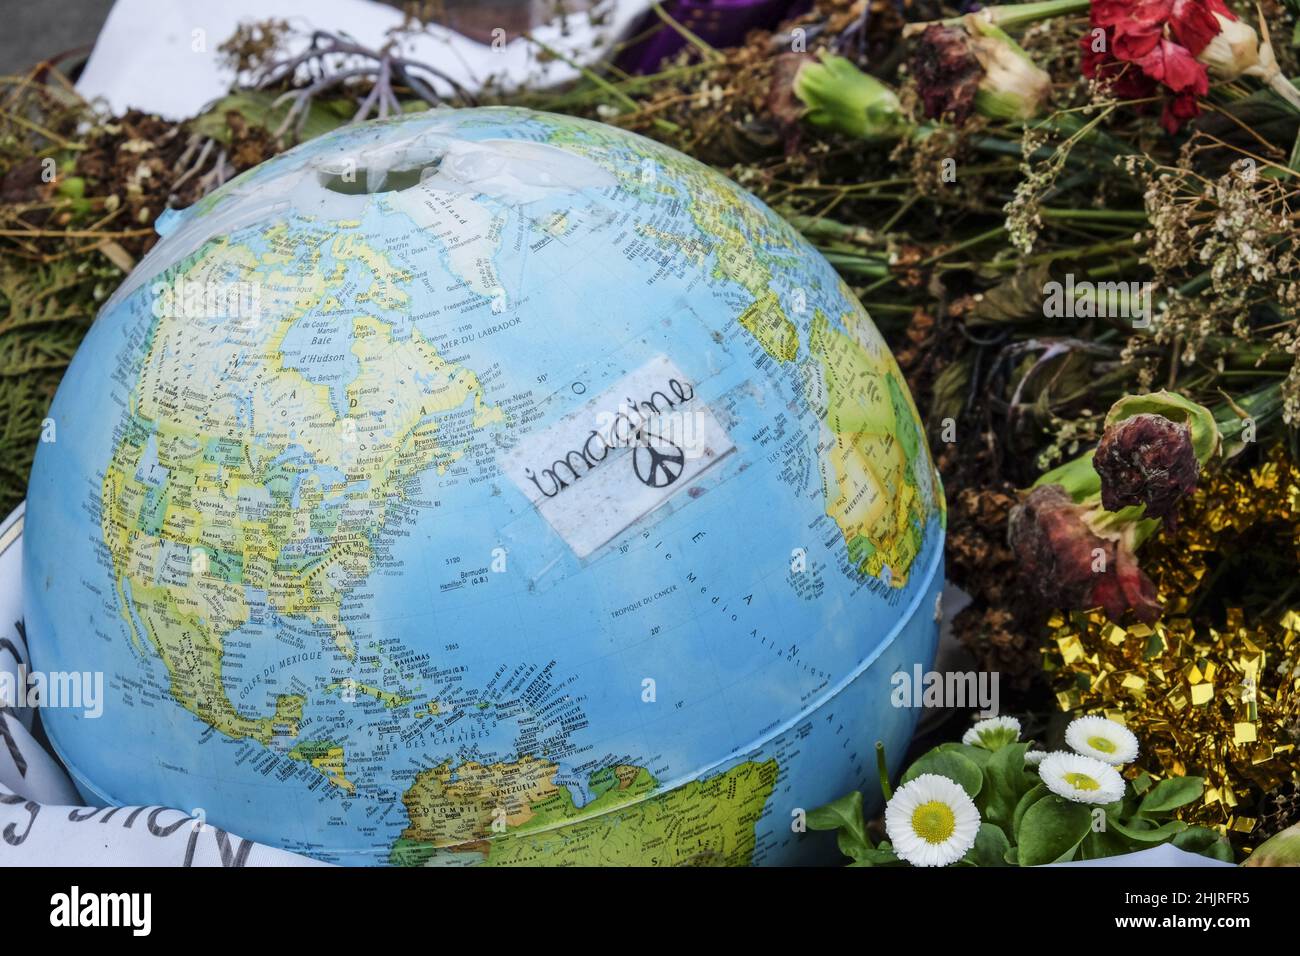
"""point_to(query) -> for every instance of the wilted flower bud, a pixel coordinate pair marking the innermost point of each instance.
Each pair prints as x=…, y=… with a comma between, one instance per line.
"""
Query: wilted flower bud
x=1234, y=50
x=839, y=96
x=782, y=105
x=1237, y=51
x=1055, y=547
x=1013, y=87
x=1126, y=586
x=977, y=65
x=1281, y=849
x=1077, y=530
x=946, y=71
x=1068, y=565
x=1147, y=459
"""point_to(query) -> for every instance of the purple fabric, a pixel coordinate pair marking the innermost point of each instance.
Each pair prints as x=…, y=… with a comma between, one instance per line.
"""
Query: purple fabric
x=720, y=23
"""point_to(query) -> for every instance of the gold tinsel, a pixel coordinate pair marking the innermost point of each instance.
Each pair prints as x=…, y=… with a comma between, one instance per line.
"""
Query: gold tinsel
x=1214, y=698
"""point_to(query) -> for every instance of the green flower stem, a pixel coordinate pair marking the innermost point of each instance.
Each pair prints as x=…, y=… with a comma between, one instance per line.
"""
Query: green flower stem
x=1087, y=252
x=1006, y=147
x=819, y=227
x=1011, y=264
x=584, y=95
x=883, y=770
x=1018, y=14
x=1259, y=406
x=709, y=52
x=966, y=244
x=1113, y=268
x=1097, y=215
x=857, y=265
x=888, y=308
x=604, y=84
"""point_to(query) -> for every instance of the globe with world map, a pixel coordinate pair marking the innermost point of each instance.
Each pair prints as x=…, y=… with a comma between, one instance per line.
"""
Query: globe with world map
x=485, y=487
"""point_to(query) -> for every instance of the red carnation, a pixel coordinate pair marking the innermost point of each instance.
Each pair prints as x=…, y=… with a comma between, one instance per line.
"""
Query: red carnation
x=1152, y=45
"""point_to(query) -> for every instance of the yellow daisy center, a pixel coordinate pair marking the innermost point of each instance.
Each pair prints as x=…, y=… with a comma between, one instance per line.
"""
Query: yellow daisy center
x=1081, y=781
x=933, y=822
x=1104, y=744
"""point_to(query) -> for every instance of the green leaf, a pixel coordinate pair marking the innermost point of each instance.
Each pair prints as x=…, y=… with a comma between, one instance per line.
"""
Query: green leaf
x=1170, y=794
x=991, y=846
x=1051, y=829
x=1135, y=831
x=1076, y=476
x=255, y=106
x=1018, y=299
x=880, y=856
x=1242, y=124
x=1204, y=841
x=978, y=755
x=948, y=393
x=845, y=815
x=1028, y=800
x=1097, y=845
x=1005, y=782
x=952, y=764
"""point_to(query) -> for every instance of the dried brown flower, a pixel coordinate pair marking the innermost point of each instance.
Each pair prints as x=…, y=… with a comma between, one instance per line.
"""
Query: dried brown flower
x=1066, y=564
x=947, y=72
x=1147, y=460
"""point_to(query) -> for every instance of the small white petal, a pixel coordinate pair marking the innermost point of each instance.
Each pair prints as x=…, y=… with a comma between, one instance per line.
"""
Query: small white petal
x=1000, y=729
x=1081, y=779
x=1102, y=739
x=917, y=849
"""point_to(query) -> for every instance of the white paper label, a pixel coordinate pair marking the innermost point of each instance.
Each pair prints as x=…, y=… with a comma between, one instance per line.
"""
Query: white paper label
x=618, y=457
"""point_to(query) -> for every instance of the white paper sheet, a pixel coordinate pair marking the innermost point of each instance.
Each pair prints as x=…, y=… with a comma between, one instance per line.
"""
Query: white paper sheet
x=161, y=56
x=42, y=820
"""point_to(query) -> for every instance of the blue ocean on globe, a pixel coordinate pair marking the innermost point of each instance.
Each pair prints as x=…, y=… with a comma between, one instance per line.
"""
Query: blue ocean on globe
x=485, y=487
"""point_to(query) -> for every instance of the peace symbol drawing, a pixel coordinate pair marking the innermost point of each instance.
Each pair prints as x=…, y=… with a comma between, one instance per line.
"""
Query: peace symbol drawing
x=657, y=461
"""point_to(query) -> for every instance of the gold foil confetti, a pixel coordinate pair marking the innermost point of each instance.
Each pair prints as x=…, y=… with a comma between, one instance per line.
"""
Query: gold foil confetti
x=1071, y=649
x=1213, y=692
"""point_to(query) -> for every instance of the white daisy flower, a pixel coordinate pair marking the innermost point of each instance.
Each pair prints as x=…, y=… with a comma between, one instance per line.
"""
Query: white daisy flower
x=992, y=733
x=931, y=821
x=1034, y=757
x=1106, y=740
x=1081, y=779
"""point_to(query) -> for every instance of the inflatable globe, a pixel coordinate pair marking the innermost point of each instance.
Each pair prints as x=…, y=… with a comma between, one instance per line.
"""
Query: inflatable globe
x=485, y=487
